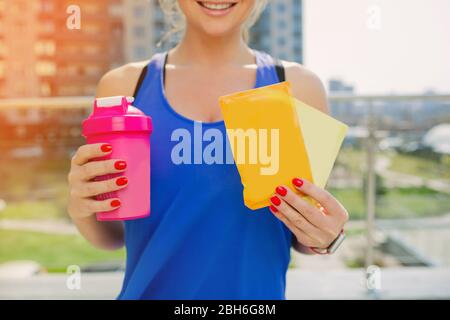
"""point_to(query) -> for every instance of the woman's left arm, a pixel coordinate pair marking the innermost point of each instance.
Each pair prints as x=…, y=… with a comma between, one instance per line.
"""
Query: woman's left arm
x=313, y=226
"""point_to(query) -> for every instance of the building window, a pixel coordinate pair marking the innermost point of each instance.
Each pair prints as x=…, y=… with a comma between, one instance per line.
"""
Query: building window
x=281, y=7
x=139, y=11
x=282, y=24
x=47, y=6
x=139, y=32
x=140, y=52
x=281, y=41
x=45, y=68
x=45, y=48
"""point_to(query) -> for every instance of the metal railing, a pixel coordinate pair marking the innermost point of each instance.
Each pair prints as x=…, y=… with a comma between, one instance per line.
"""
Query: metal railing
x=72, y=102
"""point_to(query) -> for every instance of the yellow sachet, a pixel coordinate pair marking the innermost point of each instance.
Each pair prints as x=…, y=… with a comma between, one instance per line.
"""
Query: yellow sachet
x=265, y=138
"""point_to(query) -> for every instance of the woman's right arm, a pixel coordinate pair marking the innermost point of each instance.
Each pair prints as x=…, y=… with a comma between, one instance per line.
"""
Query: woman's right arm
x=108, y=235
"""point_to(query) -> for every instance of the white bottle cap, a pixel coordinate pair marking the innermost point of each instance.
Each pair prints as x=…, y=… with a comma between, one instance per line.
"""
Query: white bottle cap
x=112, y=101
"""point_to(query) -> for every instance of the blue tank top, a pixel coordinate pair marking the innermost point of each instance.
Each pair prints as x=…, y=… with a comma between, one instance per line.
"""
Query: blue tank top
x=200, y=240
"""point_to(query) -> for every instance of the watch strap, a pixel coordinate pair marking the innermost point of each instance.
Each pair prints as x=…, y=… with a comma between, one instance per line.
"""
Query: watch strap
x=333, y=246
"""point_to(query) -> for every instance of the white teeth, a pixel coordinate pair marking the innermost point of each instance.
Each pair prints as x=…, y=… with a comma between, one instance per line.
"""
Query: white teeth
x=216, y=6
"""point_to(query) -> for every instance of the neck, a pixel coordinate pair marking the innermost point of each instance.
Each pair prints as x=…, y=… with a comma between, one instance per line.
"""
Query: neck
x=199, y=49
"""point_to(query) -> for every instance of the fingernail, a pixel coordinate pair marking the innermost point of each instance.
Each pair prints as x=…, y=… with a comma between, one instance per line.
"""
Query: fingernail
x=106, y=147
x=275, y=200
x=273, y=209
x=297, y=182
x=281, y=191
x=115, y=203
x=120, y=165
x=121, y=181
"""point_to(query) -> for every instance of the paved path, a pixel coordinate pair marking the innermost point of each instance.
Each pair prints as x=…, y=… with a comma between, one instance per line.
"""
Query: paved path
x=396, y=283
x=399, y=179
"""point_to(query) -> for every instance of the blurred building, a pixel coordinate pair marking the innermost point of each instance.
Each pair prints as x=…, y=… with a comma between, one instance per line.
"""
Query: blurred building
x=279, y=30
x=141, y=29
x=41, y=56
x=340, y=87
x=349, y=112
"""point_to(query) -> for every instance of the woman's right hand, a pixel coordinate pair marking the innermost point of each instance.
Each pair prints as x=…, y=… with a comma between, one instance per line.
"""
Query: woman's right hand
x=81, y=202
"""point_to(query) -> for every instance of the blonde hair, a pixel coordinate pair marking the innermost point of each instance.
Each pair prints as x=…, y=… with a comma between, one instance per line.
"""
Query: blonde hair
x=176, y=20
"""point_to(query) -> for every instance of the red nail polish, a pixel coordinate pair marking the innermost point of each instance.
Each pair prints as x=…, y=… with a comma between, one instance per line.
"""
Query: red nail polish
x=275, y=200
x=281, y=191
x=121, y=181
x=297, y=182
x=106, y=148
x=273, y=209
x=120, y=165
x=115, y=203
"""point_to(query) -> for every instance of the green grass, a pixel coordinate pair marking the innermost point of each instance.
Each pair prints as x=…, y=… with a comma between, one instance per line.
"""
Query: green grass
x=352, y=200
x=419, y=202
x=421, y=167
x=53, y=252
x=396, y=203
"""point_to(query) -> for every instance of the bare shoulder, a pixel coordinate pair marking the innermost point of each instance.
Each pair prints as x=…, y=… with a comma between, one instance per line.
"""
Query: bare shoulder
x=306, y=85
x=120, y=81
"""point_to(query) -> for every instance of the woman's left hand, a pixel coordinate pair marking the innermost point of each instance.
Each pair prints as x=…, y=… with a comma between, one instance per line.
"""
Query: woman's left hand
x=314, y=227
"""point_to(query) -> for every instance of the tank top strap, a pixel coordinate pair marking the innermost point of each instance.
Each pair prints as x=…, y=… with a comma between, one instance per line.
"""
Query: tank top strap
x=149, y=74
x=267, y=68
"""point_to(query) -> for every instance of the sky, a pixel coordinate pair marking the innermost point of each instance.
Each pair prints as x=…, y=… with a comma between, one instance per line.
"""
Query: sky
x=380, y=46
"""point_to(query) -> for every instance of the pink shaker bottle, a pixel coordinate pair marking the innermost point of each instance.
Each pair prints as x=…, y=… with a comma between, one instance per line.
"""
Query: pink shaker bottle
x=128, y=130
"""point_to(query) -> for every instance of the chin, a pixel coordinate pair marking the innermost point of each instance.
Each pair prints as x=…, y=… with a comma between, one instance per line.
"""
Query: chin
x=218, y=30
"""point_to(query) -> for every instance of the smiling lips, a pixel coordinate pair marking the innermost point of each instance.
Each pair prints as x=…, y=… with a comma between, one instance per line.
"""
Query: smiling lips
x=216, y=8
x=216, y=5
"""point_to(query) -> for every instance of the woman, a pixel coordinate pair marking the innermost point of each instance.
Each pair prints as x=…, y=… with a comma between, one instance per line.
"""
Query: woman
x=200, y=241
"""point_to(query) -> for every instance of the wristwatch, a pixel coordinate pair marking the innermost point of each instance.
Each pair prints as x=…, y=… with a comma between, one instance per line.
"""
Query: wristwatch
x=333, y=246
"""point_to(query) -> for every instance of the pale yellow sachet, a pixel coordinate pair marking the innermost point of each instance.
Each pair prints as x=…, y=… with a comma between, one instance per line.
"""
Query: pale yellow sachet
x=323, y=136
